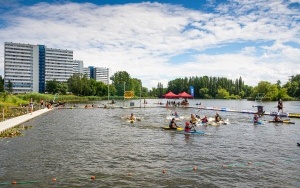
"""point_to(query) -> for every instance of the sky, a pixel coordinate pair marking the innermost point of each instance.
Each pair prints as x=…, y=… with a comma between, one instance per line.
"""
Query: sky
x=159, y=41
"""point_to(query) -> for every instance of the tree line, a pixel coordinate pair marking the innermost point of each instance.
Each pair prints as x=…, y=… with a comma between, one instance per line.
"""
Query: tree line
x=204, y=87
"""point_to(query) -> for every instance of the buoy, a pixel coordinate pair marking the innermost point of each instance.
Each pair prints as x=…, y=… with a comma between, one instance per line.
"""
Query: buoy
x=195, y=168
x=13, y=182
x=93, y=177
x=164, y=171
x=53, y=179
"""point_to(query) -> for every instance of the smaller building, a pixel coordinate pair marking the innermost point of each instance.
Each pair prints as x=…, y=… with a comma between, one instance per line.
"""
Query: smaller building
x=100, y=74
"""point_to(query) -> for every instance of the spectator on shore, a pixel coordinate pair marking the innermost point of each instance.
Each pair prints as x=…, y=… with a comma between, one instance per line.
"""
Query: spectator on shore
x=42, y=103
x=31, y=106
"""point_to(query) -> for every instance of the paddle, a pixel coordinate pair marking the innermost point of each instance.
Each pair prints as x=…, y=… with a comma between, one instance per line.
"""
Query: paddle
x=193, y=127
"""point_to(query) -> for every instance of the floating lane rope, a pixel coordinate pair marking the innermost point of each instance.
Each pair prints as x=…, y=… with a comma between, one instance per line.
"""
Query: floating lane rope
x=195, y=168
x=19, y=182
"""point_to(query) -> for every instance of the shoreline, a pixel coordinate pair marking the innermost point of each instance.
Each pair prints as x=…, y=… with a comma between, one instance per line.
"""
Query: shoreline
x=10, y=123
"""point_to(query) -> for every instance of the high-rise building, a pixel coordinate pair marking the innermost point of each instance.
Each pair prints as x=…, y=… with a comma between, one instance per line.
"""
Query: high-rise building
x=28, y=67
x=78, y=67
x=100, y=74
x=87, y=72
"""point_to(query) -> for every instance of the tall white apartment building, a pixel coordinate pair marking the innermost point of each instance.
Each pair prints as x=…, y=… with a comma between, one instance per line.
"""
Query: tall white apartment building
x=21, y=67
x=28, y=67
x=100, y=74
x=78, y=67
x=58, y=64
x=87, y=72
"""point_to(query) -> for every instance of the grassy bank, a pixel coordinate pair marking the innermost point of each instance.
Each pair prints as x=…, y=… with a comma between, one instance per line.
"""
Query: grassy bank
x=15, y=105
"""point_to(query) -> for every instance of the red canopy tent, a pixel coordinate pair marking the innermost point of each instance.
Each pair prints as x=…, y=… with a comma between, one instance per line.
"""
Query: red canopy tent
x=170, y=95
x=185, y=95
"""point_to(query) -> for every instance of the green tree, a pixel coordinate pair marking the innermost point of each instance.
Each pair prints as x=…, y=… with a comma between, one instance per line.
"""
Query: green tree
x=120, y=80
x=1, y=84
x=222, y=94
x=53, y=86
x=10, y=87
x=112, y=90
x=293, y=86
x=282, y=94
x=204, y=93
x=160, y=90
x=62, y=88
x=75, y=84
x=270, y=90
x=137, y=86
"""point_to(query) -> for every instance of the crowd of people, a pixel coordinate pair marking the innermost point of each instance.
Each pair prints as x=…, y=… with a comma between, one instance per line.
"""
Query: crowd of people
x=184, y=102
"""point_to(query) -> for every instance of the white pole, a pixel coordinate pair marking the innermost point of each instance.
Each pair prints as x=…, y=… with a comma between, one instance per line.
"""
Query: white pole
x=141, y=96
x=124, y=94
x=108, y=85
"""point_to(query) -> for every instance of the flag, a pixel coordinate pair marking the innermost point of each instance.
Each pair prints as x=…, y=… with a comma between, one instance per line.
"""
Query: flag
x=192, y=90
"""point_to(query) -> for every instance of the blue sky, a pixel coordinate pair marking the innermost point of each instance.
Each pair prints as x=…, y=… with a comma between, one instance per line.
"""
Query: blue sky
x=157, y=41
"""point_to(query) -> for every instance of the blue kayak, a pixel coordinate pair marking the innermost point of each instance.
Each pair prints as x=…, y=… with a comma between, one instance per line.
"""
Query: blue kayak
x=258, y=123
x=194, y=132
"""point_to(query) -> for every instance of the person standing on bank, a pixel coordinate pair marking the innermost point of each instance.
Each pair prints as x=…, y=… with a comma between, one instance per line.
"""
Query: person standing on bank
x=280, y=106
x=31, y=106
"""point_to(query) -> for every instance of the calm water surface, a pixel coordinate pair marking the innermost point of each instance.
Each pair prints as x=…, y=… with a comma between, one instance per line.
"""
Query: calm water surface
x=72, y=145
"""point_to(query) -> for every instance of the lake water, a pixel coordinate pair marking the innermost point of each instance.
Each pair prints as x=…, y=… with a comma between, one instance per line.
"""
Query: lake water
x=72, y=145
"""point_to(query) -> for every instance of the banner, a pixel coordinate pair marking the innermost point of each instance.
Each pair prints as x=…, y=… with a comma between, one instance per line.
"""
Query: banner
x=128, y=94
x=192, y=90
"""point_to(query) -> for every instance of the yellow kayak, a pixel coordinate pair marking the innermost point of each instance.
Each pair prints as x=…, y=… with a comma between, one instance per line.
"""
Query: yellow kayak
x=168, y=128
x=282, y=121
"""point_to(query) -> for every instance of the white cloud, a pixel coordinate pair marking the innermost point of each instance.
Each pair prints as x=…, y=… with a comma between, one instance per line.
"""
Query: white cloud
x=143, y=38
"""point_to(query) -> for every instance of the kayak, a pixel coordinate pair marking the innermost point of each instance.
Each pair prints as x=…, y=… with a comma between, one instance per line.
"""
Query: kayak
x=131, y=121
x=168, y=128
x=279, y=114
x=284, y=121
x=258, y=123
x=194, y=132
x=212, y=122
x=177, y=118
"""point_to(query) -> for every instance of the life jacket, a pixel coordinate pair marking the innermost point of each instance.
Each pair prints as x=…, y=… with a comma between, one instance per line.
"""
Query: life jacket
x=193, y=120
x=187, y=128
